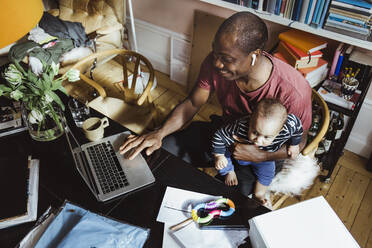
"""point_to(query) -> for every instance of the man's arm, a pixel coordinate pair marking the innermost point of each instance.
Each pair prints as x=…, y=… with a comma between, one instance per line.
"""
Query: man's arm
x=183, y=113
x=252, y=153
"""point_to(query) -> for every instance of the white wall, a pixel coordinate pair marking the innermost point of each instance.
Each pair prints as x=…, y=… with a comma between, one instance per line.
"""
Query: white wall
x=360, y=139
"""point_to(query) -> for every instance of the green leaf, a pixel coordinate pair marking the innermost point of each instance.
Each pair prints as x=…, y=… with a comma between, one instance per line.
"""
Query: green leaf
x=56, y=85
x=20, y=68
x=56, y=98
x=39, y=84
x=46, y=82
x=4, y=89
x=31, y=76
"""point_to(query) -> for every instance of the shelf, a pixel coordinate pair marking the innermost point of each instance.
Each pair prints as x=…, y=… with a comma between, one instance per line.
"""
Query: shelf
x=297, y=25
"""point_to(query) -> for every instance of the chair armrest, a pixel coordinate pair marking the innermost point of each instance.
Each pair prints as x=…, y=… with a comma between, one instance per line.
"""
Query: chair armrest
x=101, y=91
x=324, y=127
x=54, y=12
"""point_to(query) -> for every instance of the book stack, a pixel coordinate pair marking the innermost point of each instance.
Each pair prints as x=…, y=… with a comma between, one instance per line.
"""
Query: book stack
x=350, y=17
x=303, y=51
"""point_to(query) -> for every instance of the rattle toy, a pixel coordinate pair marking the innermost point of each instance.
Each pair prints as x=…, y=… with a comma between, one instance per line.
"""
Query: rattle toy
x=215, y=209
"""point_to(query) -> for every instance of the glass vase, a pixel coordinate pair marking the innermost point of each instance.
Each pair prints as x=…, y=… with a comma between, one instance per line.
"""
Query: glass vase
x=47, y=124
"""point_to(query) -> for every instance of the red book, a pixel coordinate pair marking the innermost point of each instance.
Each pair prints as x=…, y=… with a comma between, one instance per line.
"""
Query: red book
x=312, y=71
x=301, y=54
x=281, y=57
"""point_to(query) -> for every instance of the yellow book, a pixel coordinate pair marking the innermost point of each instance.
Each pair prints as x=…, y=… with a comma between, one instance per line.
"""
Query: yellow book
x=307, y=42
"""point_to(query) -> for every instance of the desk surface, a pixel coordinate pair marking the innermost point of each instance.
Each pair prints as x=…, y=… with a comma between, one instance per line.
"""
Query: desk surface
x=60, y=181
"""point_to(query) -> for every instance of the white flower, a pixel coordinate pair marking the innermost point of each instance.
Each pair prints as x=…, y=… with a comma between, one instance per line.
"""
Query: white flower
x=35, y=116
x=73, y=75
x=16, y=94
x=12, y=75
x=48, y=98
x=55, y=68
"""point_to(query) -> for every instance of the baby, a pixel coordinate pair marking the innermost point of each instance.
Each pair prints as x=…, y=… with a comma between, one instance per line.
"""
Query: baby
x=269, y=127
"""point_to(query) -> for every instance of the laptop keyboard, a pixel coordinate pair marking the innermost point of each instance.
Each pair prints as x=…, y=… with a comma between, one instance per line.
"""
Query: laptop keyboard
x=107, y=167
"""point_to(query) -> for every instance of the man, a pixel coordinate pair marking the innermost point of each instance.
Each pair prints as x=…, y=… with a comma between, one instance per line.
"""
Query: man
x=240, y=74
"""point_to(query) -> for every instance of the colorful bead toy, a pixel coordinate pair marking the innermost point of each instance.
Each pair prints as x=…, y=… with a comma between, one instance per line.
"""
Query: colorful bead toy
x=215, y=213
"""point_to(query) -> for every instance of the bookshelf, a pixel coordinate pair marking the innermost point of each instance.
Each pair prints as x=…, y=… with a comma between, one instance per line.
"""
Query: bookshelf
x=293, y=24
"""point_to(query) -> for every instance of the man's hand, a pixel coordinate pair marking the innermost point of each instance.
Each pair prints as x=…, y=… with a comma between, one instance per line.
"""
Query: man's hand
x=247, y=152
x=293, y=151
x=152, y=141
x=220, y=161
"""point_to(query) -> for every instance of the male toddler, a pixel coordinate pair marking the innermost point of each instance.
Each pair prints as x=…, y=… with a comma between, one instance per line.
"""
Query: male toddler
x=268, y=128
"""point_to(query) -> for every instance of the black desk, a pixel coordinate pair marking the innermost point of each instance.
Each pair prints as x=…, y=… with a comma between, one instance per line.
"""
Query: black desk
x=59, y=180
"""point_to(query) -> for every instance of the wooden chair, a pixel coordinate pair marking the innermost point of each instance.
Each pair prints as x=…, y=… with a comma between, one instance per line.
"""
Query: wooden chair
x=311, y=147
x=116, y=99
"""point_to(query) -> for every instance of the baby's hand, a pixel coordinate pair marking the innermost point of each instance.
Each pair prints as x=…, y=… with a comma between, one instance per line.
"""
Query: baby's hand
x=220, y=161
x=293, y=151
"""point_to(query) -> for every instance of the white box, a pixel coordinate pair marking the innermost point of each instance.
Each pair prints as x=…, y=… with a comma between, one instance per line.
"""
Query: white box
x=311, y=223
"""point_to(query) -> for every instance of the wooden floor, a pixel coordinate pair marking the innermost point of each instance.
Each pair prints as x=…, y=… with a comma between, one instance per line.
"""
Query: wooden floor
x=349, y=191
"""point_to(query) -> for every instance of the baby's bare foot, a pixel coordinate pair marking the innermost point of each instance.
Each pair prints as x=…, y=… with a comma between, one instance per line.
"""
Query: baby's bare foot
x=231, y=179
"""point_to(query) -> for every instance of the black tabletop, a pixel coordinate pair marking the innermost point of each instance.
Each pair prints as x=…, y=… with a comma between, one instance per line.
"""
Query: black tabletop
x=60, y=181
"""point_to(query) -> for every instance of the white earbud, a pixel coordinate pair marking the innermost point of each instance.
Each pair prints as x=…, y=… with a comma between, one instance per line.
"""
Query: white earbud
x=253, y=59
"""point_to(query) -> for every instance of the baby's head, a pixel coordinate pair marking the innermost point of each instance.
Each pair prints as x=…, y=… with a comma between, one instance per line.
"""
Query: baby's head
x=266, y=122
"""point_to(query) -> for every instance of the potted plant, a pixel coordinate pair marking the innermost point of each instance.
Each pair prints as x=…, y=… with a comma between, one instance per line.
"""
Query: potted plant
x=42, y=109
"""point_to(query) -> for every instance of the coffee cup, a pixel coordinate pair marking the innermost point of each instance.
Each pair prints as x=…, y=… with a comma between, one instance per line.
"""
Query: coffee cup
x=94, y=128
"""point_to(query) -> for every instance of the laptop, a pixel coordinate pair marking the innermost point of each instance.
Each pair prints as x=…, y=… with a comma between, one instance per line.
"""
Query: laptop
x=106, y=172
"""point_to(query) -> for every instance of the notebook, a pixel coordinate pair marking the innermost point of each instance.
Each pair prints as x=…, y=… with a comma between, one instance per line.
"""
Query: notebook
x=106, y=172
x=21, y=174
x=307, y=42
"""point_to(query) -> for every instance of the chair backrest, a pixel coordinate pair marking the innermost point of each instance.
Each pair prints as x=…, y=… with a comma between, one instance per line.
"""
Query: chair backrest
x=313, y=145
x=130, y=62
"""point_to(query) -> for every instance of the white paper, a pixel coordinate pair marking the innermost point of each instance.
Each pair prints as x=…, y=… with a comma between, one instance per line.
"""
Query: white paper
x=177, y=204
x=193, y=237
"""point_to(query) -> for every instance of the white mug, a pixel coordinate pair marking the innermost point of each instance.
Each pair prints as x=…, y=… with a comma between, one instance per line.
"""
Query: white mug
x=94, y=128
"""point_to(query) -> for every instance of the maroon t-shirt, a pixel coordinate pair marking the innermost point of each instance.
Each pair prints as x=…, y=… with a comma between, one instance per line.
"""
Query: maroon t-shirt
x=285, y=83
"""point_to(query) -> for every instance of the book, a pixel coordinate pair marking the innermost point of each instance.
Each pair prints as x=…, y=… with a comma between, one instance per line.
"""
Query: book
x=19, y=184
x=282, y=8
x=324, y=14
x=307, y=42
x=319, y=3
x=294, y=60
x=277, y=7
x=347, y=19
x=351, y=6
x=304, y=8
x=271, y=6
x=310, y=11
x=297, y=10
x=301, y=54
x=310, y=223
x=291, y=7
x=280, y=56
x=357, y=16
x=319, y=69
x=335, y=59
x=331, y=92
x=314, y=79
x=287, y=8
x=347, y=26
x=358, y=3
x=351, y=11
x=346, y=32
